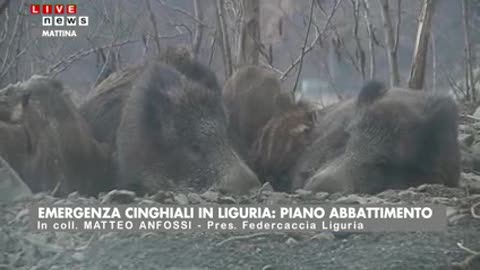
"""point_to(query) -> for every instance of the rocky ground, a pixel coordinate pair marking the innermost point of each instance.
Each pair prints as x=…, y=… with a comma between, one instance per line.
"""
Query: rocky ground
x=21, y=248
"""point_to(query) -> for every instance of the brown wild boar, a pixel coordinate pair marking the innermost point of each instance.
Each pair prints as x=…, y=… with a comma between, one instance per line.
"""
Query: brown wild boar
x=173, y=136
x=382, y=140
x=56, y=148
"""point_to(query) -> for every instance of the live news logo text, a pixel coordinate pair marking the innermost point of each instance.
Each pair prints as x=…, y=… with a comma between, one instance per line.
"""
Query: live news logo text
x=57, y=16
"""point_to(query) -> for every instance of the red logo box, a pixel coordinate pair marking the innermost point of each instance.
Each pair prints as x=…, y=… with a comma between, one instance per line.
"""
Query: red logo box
x=71, y=9
x=59, y=9
x=47, y=9
x=34, y=9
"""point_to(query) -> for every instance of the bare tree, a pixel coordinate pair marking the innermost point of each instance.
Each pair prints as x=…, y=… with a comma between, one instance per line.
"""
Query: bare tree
x=371, y=39
x=224, y=40
x=417, y=71
x=299, y=72
x=13, y=44
x=434, y=61
x=197, y=40
x=359, y=51
x=153, y=20
x=318, y=38
x=469, y=78
x=391, y=39
x=250, y=43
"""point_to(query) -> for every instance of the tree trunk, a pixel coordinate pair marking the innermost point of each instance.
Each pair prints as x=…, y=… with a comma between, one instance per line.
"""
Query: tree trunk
x=469, y=79
x=153, y=21
x=417, y=71
x=250, y=43
x=434, y=62
x=390, y=41
x=359, y=51
x=197, y=39
x=371, y=39
x=224, y=41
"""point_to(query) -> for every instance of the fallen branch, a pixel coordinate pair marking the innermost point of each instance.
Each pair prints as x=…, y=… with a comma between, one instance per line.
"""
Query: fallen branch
x=247, y=237
x=56, y=188
x=472, y=210
x=466, y=263
x=471, y=117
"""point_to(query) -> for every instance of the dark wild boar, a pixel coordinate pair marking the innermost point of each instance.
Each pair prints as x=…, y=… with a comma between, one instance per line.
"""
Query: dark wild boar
x=280, y=143
x=103, y=107
x=56, y=148
x=382, y=140
x=173, y=136
x=252, y=96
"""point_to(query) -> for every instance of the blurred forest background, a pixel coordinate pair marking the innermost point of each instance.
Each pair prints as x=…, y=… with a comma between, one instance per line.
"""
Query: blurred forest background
x=322, y=49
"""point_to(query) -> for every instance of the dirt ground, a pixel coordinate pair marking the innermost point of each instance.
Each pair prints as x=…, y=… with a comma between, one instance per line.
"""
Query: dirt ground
x=21, y=248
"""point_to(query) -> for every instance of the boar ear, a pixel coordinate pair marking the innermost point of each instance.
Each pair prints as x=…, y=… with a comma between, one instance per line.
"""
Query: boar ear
x=163, y=85
x=371, y=91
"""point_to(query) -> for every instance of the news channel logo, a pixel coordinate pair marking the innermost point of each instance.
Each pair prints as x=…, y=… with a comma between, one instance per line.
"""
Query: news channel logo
x=58, y=20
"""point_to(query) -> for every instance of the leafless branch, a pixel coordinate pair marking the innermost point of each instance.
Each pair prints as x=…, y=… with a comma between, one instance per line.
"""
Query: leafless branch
x=371, y=39
x=197, y=39
x=8, y=66
x=184, y=12
x=249, y=43
x=67, y=61
x=469, y=78
x=225, y=42
x=212, y=48
x=456, y=88
x=360, y=52
x=390, y=42
x=312, y=44
x=417, y=70
x=154, y=24
x=309, y=25
x=397, y=25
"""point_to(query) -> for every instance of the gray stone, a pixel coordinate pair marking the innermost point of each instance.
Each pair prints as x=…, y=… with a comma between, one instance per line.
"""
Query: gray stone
x=471, y=182
x=210, y=196
x=181, y=199
x=323, y=236
x=119, y=196
x=291, y=241
x=195, y=198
